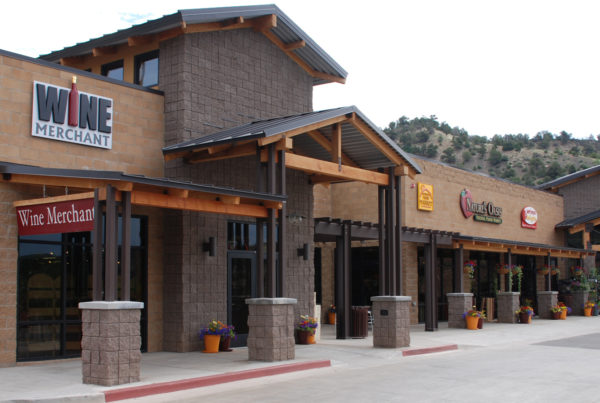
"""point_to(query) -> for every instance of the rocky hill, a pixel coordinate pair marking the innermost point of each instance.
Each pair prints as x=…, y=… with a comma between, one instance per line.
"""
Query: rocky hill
x=518, y=158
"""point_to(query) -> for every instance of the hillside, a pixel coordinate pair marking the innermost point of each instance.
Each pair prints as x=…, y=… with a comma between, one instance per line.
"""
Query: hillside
x=518, y=158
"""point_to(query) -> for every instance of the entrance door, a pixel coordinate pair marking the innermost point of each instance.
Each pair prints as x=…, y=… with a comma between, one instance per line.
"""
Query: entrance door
x=241, y=284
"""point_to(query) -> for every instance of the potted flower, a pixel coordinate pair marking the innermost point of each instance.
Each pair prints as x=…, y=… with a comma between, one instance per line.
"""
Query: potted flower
x=227, y=334
x=211, y=336
x=331, y=314
x=469, y=268
x=556, y=311
x=587, y=308
x=525, y=313
x=565, y=310
x=472, y=317
x=504, y=269
x=306, y=329
x=544, y=270
x=555, y=271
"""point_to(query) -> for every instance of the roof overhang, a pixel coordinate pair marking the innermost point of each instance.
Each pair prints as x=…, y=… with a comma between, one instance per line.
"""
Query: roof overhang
x=556, y=184
x=152, y=192
x=266, y=19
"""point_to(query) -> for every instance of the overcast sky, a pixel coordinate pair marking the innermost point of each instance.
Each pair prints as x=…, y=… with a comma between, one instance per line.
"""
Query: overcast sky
x=490, y=67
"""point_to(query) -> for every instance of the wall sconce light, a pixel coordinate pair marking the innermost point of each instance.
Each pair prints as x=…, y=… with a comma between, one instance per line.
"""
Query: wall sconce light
x=304, y=251
x=295, y=218
x=210, y=246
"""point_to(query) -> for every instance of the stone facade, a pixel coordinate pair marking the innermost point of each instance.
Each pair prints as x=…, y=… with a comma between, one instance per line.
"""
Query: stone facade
x=271, y=335
x=110, y=342
x=391, y=321
x=545, y=301
x=508, y=304
x=458, y=304
x=579, y=299
x=581, y=197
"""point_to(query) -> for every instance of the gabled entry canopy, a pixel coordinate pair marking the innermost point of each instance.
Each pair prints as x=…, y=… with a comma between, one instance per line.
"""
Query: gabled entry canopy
x=332, y=145
x=153, y=192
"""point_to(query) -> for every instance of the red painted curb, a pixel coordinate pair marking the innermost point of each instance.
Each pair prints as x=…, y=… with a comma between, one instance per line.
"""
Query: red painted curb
x=428, y=350
x=166, y=387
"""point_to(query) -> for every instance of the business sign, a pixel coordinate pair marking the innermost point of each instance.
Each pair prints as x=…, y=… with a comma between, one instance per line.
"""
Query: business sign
x=72, y=116
x=424, y=197
x=529, y=218
x=482, y=212
x=56, y=218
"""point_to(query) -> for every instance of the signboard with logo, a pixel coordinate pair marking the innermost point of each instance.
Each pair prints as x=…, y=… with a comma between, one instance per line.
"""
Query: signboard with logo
x=55, y=218
x=482, y=212
x=424, y=197
x=529, y=218
x=72, y=116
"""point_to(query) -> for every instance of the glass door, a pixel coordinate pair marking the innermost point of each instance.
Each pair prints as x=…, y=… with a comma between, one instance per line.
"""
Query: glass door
x=241, y=284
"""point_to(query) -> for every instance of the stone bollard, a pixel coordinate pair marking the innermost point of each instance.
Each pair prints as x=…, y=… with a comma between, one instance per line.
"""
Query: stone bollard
x=579, y=299
x=271, y=329
x=110, y=342
x=508, y=304
x=391, y=321
x=458, y=304
x=545, y=301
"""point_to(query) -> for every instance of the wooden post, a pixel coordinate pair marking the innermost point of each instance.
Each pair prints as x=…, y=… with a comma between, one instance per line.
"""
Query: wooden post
x=382, y=255
x=390, y=235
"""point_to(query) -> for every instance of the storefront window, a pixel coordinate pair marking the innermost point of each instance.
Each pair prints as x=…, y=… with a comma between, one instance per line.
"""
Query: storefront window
x=146, y=69
x=54, y=276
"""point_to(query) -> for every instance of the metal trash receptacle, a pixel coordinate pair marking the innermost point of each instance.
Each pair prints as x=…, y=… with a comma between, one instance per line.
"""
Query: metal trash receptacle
x=360, y=322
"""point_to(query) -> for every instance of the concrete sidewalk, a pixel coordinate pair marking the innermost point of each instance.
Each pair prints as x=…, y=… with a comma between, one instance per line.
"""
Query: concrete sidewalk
x=60, y=381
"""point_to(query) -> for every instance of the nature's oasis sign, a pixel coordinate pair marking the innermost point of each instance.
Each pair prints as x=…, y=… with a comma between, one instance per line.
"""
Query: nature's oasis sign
x=72, y=116
x=55, y=218
x=484, y=211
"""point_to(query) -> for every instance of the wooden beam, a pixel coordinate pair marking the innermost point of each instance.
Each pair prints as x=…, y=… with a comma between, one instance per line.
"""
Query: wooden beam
x=336, y=144
x=178, y=192
x=141, y=40
x=104, y=51
x=160, y=200
x=72, y=60
x=305, y=129
x=82, y=183
x=577, y=228
x=376, y=140
x=232, y=22
x=229, y=199
x=294, y=45
x=171, y=33
x=264, y=23
x=315, y=166
x=232, y=152
x=324, y=142
x=55, y=199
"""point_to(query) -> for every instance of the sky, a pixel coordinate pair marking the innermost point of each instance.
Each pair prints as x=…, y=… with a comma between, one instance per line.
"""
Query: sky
x=490, y=67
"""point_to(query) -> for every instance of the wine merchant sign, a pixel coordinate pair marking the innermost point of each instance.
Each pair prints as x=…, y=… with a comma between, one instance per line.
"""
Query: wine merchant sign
x=483, y=212
x=72, y=116
x=55, y=218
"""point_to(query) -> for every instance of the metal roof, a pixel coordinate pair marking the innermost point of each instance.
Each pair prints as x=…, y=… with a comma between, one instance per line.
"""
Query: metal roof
x=354, y=144
x=286, y=30
x=8, y=168
x=568, y=178
x=571, y=222
x=518, y=243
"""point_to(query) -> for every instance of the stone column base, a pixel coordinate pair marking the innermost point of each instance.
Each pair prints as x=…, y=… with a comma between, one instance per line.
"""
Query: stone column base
x=391, y=321
x=508, y=304
x=271, y=329
x=579, y=299
x=545, y=301
x=110, y=342
x=458, y=304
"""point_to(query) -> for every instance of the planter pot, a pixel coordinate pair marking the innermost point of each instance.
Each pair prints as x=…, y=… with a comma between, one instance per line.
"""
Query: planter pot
x=224, y=343
x=480, y=323
x=472, y=322
x=556, y=315
x=524, y=318
x=502, y=270
x=305, y=337
x=563, y=314
x=595, y=310
x=587, y=311
x=331, y=317
x=543, y=272
x=211, y=343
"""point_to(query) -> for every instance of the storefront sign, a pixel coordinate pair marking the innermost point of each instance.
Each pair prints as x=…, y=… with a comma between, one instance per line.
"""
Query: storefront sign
x=483, y=212
x=55, y=218
x=72, y=116
x=424, y=197
x=529, y=218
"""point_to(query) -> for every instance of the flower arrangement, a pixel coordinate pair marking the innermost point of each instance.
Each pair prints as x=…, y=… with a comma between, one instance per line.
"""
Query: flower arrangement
x=555, y=271
x=505, y=269
x=577, y=271
x=525, y=309
x=589, y=305
x=469, y=268
x=217, y=328
x=307, y=324
x=544, y=270
x=557, y=308
x=564, y=307
x=473, y=313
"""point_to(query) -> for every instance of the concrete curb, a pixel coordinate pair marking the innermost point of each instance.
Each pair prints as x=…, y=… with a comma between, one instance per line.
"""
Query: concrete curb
x=429, y=350
x=167, y=387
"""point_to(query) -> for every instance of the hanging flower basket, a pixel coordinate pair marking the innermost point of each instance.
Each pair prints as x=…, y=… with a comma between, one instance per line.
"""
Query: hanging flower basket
x=577, y=271
x=516, y=270
x=555, y=271
x=543, y=271
x=503, y=269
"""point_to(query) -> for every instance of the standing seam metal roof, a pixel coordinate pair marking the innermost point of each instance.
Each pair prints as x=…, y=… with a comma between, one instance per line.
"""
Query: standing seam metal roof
x=354, y=144
x=286, y=30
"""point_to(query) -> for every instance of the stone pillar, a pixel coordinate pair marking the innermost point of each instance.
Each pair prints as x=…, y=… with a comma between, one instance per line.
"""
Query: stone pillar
x=545, y=301
x=391, y=317
x=579, y=299
x=110, y=342
x=508, y=304
x=458, y=304
x=271, y=329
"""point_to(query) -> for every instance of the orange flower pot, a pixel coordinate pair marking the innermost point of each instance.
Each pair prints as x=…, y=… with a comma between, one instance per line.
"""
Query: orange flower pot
x=563, y=314
x=472, y=322
x=331, y=317
x=311, y=339
x=211, y=343
x=587, y=311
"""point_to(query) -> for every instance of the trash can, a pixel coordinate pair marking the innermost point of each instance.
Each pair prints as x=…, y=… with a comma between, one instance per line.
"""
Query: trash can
x=359, y=322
